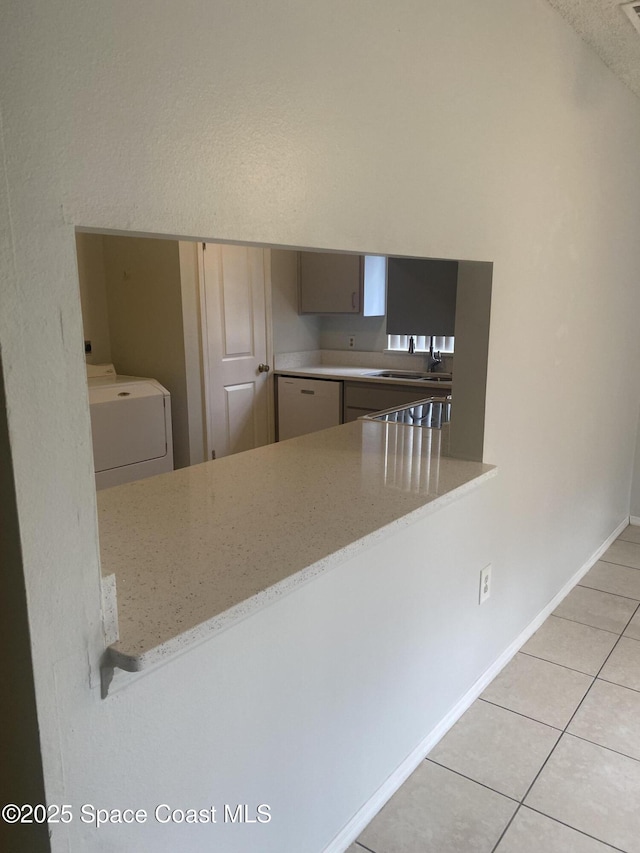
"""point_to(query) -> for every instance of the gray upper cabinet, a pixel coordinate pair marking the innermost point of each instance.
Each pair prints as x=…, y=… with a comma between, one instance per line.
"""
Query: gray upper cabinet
x=332, y=283
x=421, y=296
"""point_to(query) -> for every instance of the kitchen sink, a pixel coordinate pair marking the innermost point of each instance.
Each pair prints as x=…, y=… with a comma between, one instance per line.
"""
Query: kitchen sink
x=411, y=374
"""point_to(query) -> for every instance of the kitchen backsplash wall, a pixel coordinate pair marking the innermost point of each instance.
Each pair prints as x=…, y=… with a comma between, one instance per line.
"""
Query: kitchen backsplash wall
x=355, y=358
x=369, y=332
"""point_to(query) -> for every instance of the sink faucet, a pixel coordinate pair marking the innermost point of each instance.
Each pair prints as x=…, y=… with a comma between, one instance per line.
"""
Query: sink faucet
x=434, y=359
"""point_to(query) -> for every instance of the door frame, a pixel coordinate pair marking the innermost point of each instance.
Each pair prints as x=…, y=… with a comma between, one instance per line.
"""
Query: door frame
x=206, y=366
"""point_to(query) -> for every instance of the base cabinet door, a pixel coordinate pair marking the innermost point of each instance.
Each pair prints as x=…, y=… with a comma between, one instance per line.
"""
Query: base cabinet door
x=365, y=398
x=307, y=405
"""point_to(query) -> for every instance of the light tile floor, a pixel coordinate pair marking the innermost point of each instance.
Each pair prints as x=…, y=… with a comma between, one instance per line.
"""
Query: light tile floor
x=548, y=758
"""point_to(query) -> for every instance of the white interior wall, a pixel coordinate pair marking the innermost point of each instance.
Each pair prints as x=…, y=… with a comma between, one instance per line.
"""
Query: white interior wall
x=291, y=331
x=369, y=332
x=402, y=128
x=146, y=322
x=472, y=328
x=635, y=486
x=193, y=351
x=93, y=296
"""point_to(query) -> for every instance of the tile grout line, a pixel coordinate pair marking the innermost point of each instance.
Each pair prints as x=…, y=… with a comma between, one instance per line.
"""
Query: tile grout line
x=601, y=746
x=565, y=732
x=624, y=565
x=562, y=733
x=588, y=625
x=360, y=844
x=505, y=830
x=604, y=663
x=552, y=663
x=615, y=683
x=475, y=781
x=525, y=716
x=581, y=831
x=607, y=591
x=576, y=622
x=546, y=660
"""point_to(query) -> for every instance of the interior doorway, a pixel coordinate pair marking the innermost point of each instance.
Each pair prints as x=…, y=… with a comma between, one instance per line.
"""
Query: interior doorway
x=196, y=320
x=237, y=347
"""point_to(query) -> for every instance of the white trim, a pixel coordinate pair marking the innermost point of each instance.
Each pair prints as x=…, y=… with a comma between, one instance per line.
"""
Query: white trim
x=370, y=809
x=268, y=319
x=634, y=519
x=206, y=377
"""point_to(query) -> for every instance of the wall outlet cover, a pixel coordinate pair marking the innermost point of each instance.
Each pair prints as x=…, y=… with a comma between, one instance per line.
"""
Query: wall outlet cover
x=485, y=584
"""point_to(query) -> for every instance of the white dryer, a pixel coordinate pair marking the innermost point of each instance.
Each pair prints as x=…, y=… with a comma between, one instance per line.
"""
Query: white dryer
x=130, y=426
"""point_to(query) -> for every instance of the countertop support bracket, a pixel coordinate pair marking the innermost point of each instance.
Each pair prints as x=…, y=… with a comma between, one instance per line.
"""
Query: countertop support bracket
x=106, y=674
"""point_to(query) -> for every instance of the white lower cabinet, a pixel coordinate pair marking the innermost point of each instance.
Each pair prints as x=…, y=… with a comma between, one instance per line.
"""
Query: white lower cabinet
x=307, y=405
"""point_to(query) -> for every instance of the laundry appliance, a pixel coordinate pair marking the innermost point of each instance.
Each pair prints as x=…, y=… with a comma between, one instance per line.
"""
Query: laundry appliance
x=130, y=426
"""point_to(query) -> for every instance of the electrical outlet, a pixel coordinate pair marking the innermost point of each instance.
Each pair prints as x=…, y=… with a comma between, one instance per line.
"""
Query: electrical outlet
x=485, y=584
x=352, y=341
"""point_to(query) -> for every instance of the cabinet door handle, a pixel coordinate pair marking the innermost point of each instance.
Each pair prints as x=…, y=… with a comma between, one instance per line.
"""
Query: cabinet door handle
x=305, y=391
x=353, y=299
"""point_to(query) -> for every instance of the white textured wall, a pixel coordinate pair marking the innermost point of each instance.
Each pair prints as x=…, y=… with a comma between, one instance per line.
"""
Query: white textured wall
x=405, y=128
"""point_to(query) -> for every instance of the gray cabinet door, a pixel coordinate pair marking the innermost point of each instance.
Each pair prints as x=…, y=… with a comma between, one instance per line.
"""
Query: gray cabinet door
x=365, y=398
x=330, y=283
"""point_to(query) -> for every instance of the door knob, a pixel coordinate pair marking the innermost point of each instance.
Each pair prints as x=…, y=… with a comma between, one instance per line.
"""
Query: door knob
x=263, y=368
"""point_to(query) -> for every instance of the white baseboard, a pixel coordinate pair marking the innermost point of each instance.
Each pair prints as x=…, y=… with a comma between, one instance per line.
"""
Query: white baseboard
x=370, y=809
x=634, y=519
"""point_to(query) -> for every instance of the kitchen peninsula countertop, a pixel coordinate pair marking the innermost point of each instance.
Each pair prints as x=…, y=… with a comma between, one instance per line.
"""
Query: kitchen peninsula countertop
x=197, y=550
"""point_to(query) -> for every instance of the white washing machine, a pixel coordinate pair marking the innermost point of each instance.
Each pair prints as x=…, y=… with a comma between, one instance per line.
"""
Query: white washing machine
x=130, y=426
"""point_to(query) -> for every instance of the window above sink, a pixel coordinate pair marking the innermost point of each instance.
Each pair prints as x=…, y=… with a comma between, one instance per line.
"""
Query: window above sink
x=400, y=343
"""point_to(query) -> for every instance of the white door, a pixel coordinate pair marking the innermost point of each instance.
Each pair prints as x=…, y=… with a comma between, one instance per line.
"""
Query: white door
x=236, y=343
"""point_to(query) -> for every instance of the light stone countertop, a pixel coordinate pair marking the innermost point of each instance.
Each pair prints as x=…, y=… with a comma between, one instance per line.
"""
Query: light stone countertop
x=198, y=549
x=360, y=374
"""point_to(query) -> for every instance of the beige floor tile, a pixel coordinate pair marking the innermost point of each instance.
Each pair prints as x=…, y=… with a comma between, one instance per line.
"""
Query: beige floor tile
x=623, y=667
x=497, y=748
x=438, y=811
x=532, y=832
x=544, y=691
x=608, y=577
x=571, y=644
x=597, y=609
x=593, y=790
x=631, y=533
x=624, y=553
x=633, y=628
x=610, y=716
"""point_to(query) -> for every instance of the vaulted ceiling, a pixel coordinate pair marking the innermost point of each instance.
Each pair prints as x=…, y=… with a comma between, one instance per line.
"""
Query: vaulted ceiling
x=604, y=25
